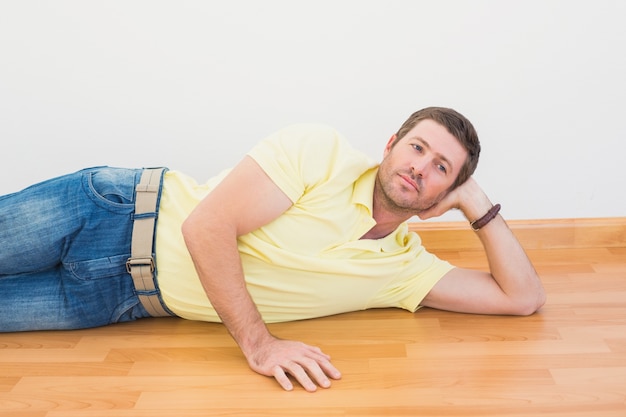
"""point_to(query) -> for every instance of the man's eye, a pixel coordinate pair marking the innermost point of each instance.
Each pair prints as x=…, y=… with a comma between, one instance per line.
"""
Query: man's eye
x=417, y=148
x=442, y=168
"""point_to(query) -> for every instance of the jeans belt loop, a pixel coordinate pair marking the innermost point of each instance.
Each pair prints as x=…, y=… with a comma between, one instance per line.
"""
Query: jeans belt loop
x=140, y=265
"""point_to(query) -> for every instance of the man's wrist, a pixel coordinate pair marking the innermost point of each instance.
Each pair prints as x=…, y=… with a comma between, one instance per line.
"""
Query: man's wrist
x=481, y=222
x=254, y=339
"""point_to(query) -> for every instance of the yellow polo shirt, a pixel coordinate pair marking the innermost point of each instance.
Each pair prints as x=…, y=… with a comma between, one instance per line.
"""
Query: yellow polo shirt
x=310, y=262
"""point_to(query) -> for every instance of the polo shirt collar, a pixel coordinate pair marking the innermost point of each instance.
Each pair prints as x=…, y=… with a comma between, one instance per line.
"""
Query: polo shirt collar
x=363, y=192
x=363, y=195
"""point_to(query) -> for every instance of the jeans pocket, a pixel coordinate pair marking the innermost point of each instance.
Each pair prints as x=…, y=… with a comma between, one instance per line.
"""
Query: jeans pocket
x=98, y=268
x=111, y=188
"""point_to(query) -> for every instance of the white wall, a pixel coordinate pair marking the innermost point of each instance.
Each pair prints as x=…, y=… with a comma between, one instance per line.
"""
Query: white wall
x=194, y=84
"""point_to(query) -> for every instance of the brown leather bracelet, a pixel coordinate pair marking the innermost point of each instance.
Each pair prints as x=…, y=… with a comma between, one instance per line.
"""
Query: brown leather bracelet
x=489, y=216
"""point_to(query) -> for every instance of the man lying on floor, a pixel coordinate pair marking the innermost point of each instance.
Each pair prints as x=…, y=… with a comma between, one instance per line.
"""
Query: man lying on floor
x=304, y=226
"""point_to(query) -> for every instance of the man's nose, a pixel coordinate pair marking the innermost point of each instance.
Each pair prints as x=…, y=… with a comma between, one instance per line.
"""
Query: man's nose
x=419, y=167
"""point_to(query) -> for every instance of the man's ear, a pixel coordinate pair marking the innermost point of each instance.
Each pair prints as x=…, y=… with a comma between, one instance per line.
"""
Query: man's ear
x=389, y=144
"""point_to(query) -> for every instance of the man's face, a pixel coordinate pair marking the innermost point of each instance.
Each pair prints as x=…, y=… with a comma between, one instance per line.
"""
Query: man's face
x=420, y=168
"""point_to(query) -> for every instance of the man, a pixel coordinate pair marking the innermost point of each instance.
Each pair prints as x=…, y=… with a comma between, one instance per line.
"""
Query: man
x=304, y=226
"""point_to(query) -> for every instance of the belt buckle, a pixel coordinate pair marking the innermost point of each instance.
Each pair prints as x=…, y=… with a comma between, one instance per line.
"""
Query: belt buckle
x=131, y=262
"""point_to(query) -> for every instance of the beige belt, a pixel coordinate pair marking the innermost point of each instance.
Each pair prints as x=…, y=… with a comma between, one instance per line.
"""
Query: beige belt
x=140, y=265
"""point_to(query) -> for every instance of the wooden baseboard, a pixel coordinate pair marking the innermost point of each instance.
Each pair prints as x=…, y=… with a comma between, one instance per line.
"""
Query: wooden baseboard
x=533, y=234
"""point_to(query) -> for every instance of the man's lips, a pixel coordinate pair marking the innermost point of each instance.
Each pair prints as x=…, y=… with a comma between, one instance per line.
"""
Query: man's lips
x=409, y=181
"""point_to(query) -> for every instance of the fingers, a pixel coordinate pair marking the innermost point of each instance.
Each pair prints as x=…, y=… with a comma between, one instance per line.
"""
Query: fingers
x=283, y=380
x=287, y=361
x=310, y=372
x=295, y=370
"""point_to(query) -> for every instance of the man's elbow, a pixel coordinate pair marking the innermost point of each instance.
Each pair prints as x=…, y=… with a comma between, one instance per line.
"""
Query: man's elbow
x=187, y=229
x=202, y=232
x=193, y=230
x=530, y=303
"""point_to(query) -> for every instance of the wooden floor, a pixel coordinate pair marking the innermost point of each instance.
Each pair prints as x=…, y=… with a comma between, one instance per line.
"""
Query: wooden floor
x=568, y=360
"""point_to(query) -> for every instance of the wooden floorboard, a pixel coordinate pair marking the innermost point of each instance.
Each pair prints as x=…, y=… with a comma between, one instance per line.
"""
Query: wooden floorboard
x=567, y=360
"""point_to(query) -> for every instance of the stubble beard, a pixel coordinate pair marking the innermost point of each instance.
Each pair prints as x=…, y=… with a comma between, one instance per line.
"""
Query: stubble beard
x=393, y=199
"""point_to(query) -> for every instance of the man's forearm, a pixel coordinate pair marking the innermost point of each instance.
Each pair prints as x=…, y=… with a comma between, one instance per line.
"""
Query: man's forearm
x=508, y=263
x=218, y=264
x=510, y=267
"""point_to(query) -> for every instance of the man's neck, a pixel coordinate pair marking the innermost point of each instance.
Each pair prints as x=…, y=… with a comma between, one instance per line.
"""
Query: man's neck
x=379, y=231
x=386, y=220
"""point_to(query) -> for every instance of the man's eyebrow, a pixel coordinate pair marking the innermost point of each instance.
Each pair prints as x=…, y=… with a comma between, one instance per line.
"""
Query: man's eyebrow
x=425, y=143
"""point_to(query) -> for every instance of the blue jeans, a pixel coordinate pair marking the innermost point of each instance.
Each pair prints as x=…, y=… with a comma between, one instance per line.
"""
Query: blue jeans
x=63, y=250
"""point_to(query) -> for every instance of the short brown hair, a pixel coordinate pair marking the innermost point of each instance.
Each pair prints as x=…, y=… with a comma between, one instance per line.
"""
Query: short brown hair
x=458, y=126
